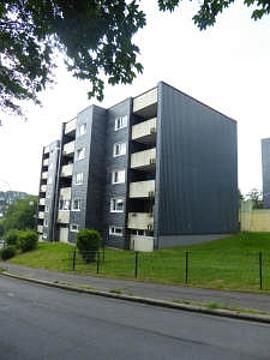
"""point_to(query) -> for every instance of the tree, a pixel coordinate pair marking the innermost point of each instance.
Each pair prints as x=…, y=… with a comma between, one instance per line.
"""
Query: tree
x=256, y=196
x=21, y=214
x=95, y=37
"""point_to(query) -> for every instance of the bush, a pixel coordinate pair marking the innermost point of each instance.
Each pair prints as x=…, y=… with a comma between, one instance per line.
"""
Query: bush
x=8, y=252
x=27, y=240
x=88, y=243
x=11, y=237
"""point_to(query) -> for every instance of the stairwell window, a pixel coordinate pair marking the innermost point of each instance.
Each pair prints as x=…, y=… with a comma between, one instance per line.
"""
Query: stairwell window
x=76, y=205
x=119, y=149
x=82, y=129
x=80, y=154
x=74, y=228
x=117, y=205
x=118, y=177
x=120, y=122
x=115, y=230
x=78, y=179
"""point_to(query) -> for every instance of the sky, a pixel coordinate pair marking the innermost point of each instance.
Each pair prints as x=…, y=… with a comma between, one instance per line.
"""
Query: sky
x=226, y=67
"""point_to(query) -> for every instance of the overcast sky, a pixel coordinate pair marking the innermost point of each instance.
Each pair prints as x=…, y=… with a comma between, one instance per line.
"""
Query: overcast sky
x=227, y=67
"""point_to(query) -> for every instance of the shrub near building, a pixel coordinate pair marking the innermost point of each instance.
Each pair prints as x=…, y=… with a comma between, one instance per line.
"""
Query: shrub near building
x=88, y=243
x=19, y=240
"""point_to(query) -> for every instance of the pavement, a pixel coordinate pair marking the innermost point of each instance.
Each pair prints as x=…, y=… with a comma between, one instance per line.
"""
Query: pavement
x=179, y=294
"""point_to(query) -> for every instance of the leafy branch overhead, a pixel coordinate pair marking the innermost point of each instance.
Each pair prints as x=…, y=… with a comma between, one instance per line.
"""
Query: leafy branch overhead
x=95, y=37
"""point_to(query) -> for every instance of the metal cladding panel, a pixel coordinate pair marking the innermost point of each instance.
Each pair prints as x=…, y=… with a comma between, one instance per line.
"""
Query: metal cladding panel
x=116, y=163
x=197, y=167
x=266, y=172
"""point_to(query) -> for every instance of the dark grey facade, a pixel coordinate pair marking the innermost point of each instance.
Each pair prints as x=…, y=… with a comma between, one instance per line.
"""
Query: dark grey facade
x=266, y=172
x=152, y=171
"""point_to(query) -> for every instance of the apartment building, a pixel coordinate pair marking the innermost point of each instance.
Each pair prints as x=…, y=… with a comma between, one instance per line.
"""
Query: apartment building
x=266, y=172
x=152, y=171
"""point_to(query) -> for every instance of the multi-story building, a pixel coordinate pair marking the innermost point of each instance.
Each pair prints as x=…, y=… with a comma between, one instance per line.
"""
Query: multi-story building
x=152, y=171
x=266, y=172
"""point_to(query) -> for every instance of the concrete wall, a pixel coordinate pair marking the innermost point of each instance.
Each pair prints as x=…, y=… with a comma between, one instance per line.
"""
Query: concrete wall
x=266, y=172
x=254, y=220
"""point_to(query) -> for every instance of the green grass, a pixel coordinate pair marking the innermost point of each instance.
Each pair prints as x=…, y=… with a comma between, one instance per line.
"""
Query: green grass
x=231, y=263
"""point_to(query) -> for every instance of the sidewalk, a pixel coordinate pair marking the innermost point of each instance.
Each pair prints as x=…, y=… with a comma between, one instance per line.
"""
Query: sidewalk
x=155, y=291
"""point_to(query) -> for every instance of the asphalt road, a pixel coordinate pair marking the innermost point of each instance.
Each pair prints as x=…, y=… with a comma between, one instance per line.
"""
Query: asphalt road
x=44, y=323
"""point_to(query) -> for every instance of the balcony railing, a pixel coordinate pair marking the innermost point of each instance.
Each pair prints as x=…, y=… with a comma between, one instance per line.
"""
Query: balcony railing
x=42, y=201
x=45, y=162
x=44, y=175
x=140, y=221
x=40, y=229
x=70, y=126
x=145, y=100
x=43, y=188
x=145, y=131
x=67, y=170
x=142, y=243
x=41, y=215
x=143, y=159
x=142, y=189
x=46, y=150
x=63, y=216
x=69, y=148
x=65, y=193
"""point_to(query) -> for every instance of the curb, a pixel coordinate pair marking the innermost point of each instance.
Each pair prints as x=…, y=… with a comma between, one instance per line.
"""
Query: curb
x=148, y=301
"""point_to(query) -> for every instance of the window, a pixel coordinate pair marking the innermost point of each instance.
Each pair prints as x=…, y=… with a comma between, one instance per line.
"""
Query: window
x=45, y=223
x=76, y=205
x=119, y=149
x=74, y=228
x=117, y=205
x=64, y=204
x=78, y=179
x=80, y=154
x=82, y=129
x=120, y=122
x=46, y=208
x=44, y=236
x=115, y=230
x=118, y=176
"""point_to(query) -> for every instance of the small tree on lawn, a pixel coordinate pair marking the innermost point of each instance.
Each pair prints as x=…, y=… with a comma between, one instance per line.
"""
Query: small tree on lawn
x=88, y=243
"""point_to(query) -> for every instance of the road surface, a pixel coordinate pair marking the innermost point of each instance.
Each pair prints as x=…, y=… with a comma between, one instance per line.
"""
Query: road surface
x=45, y=323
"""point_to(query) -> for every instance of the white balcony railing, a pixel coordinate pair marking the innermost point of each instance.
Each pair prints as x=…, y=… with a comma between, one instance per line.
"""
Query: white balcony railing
x=143, y=159
x=142, y=243
x=145, y=130
x=40, y=229
x=46, y=149
x=67, y=170
x=65, y=193
x=69, y=148
x=41, y=215
x=140, y=221
x=142, y=189
x=63, y=216
x=44, y=175
x=43, y=188
x=70, y=126
x=42, y=201
x=45, y=162
x=145, y=100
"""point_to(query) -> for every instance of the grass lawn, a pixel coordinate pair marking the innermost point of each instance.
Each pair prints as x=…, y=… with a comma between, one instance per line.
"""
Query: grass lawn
x=231, y=263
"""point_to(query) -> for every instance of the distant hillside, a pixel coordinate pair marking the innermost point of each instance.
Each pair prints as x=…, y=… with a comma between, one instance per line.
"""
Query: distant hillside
x=9, y=197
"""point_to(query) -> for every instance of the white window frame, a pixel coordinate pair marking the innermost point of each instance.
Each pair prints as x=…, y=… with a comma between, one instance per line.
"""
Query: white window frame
x=74, y=228
x=120, y=122
x=45, y=222
x=80, y=182
x=79, y=203
x=46, y=208
x=82, y=129
x=119, y=149
x=112, y=229
x=44, y=236
x=66, y=204
x=79, y=152
x=113, y=205
x=121, y=178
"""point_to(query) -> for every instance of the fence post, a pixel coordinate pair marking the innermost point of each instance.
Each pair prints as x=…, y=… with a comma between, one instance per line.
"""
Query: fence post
x=261, y=269
x=74, y=260
x=98, y=261
x=186, y=272
x=136, y=264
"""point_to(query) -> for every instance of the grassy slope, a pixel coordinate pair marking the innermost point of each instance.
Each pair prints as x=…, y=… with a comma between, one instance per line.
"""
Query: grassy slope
x=228, y=263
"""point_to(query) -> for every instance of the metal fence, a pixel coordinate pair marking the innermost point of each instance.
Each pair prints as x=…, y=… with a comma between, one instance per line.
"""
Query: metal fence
x=216, y=269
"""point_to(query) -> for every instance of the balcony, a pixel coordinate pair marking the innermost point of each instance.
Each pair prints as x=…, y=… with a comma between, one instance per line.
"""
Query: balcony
x=142, y=243
x=44, y=175
x=142, y=189
x=145, y=132
x=145, y=105
x=46, y=150
x=145, y=159
x=67, y=170
x=140, y=221
x=65, y=193
x=69, y=148
x=42, y=201
x=40, y=229
x=63, y=216
x=43, y=188
x=70, y=126
x=45, y=162
x=41, y=215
